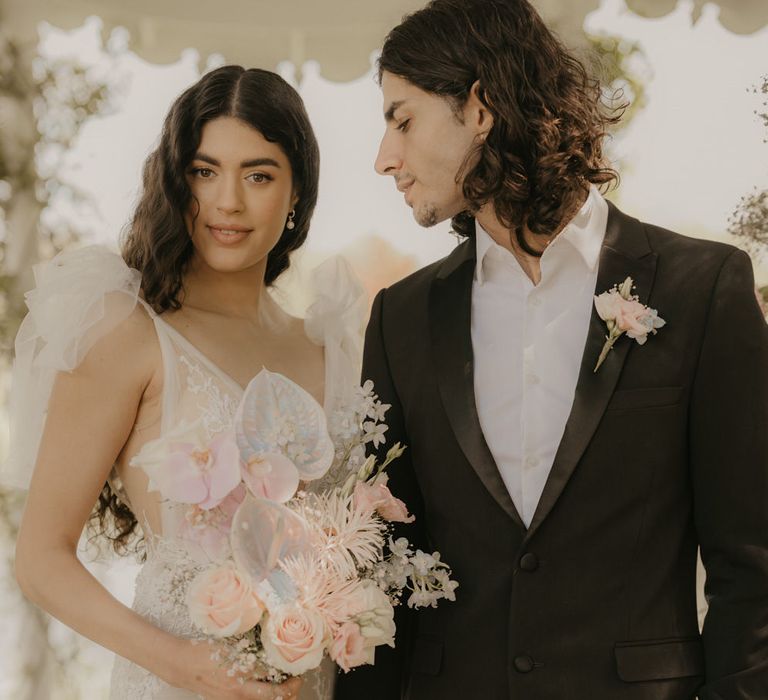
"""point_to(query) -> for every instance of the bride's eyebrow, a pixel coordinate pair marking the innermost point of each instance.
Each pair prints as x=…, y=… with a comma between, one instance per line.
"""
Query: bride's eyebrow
x=252, y=163
x=256, y=162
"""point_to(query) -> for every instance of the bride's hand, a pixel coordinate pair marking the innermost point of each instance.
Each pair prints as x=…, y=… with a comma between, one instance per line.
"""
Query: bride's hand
x=198, y=672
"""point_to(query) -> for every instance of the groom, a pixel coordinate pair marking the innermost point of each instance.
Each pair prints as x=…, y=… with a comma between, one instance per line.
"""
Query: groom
x=570, y=502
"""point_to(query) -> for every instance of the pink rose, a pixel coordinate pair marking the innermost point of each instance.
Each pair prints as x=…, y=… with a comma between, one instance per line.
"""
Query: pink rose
x=294, y=638
x=377, y=496
x=221, y=602
x=629, y=315
x=343, y=604
x=607, y=305
x=349, y=648
x=369, y=610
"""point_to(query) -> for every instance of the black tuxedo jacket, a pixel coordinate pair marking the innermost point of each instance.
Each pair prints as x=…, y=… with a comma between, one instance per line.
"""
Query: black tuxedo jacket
x=665, y=450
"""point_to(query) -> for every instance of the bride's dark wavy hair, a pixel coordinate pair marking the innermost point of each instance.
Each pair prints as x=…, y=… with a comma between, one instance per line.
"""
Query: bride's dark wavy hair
x=549, y=114
x=157, y=242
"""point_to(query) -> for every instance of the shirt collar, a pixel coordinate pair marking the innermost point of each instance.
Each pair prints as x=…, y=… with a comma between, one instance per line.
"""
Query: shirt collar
x=483, y=243
x=585, y=232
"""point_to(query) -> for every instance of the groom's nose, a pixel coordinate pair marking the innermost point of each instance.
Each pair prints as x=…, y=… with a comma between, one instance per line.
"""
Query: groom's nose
x=388, y=160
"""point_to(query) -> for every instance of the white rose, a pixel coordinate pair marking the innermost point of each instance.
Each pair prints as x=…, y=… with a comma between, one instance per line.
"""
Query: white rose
x=377, y=619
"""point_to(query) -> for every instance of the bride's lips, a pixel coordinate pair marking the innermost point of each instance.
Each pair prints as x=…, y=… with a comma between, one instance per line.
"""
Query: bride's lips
x=228, y=234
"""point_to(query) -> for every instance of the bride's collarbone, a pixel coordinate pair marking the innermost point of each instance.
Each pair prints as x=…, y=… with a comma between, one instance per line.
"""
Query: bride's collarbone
x=241, y=349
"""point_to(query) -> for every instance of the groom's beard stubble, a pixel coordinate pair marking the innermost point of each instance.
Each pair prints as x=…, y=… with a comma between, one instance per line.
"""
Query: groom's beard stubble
x=427, y=217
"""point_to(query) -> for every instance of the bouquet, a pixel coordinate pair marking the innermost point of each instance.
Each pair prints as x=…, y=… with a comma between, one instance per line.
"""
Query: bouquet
x=296, y=525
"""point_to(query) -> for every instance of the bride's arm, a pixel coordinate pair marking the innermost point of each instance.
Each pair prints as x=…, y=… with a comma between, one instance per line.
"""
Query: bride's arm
x=90, y=416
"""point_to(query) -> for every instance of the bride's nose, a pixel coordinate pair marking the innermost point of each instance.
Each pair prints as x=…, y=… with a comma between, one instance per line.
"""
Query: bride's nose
x=229, y=198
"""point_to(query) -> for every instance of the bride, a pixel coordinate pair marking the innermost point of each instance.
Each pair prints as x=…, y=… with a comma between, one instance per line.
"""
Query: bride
x=117, y=351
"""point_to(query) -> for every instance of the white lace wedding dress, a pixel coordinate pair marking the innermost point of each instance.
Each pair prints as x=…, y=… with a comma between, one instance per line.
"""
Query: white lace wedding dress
x=75, y=303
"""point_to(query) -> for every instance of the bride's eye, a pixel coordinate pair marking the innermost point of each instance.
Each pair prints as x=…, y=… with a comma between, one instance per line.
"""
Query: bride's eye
x=259, y=177
x=204, y=173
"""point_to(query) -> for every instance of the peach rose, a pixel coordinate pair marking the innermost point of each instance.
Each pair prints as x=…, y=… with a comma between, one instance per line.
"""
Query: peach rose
x=629, y=315
x=377, y=496
x=345, y=604
x=221, y=602
x=607, y=305
x=368, y=609
x=349, y=648
x=294, y=638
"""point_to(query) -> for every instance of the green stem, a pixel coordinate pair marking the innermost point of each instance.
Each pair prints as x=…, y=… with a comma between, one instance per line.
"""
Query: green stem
x=610, y=341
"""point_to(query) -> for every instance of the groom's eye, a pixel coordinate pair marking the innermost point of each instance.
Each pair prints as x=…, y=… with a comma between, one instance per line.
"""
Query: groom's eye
x=403, y=125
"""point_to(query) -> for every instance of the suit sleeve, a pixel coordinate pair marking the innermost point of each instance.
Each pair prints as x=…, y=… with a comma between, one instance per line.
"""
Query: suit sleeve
x=384, y=680
x=729, y=468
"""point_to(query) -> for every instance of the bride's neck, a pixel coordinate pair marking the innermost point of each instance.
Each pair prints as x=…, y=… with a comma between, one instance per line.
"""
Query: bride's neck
x=240, y=294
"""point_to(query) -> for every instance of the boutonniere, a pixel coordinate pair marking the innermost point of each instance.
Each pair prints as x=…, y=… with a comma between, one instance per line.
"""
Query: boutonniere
x=623, y=313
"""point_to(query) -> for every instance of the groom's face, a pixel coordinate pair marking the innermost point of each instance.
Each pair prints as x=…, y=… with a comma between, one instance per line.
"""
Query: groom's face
x=424, y=148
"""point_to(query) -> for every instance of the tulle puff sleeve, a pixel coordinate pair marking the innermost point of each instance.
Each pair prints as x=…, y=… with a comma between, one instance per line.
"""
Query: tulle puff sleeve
x=336, y=319
x=79, y=297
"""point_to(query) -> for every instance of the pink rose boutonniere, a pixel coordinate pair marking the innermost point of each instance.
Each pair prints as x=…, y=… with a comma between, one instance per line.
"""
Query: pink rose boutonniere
x=623, y=313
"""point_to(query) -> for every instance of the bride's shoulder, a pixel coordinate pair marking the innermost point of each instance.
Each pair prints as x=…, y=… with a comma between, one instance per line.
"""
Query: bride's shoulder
x=83, y=298
x=339, y=300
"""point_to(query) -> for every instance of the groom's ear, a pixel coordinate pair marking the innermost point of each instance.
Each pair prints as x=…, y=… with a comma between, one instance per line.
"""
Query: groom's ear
x=477, y=111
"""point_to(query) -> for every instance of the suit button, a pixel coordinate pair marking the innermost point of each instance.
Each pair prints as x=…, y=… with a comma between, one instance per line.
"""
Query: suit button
x=529, y=562
x=523, y=664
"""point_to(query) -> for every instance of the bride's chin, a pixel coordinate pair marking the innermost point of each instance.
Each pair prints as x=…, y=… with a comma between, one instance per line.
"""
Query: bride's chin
x=226, y=261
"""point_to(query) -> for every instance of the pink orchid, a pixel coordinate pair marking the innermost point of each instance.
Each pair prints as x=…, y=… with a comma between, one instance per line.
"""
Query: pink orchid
x=185, y=468
x=211, y=528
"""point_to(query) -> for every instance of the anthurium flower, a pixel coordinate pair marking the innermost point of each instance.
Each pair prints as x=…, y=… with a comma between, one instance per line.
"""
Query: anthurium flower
x=270, y=475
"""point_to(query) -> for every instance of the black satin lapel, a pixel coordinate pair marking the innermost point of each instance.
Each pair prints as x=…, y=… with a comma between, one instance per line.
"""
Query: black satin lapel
x=594, y=389
x=450, y=308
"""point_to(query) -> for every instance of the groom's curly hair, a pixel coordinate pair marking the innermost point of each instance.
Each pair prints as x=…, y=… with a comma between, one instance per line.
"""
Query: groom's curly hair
x=549, y=114
x=157, y=242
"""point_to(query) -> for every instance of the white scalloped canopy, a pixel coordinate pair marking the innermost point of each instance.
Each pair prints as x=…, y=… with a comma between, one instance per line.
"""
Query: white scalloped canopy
x=340, y=35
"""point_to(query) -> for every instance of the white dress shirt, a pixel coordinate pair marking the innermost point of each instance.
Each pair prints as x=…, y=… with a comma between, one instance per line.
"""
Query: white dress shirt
x=528, y=342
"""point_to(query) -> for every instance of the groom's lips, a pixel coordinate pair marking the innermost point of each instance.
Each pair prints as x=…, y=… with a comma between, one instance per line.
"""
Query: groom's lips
x=404, y=189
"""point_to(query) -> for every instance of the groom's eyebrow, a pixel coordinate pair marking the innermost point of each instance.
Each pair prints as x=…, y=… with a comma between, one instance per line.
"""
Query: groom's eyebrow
x=389, y=115
x=252, y=163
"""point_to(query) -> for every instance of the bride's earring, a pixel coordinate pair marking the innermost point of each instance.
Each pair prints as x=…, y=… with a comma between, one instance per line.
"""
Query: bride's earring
x=290, y=225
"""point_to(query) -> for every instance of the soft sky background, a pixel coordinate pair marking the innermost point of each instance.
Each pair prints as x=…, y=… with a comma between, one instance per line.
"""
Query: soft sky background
x=686, y=159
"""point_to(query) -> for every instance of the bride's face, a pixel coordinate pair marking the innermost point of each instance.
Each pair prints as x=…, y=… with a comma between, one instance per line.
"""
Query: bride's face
x=243, y=187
